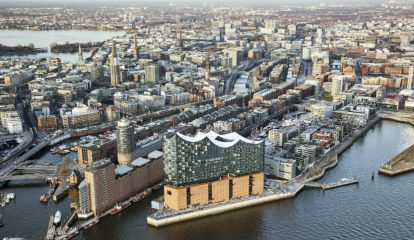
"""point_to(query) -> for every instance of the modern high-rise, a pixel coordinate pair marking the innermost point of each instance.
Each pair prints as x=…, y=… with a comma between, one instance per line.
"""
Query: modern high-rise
x=115, y=70
x=338, y=83
x=210, y=168
x=125, y=142
x=152, y=74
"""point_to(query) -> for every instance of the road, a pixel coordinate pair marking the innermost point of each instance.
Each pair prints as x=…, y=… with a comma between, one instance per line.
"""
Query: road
x=9, y=163
x=305, y=72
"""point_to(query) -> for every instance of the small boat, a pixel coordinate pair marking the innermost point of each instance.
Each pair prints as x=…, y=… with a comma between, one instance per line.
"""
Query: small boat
x=58, y=218
x=64, y=151
x=11, y=196
x=43, y=198
x=158, y=186
x=142, y=195
x=119, y=208
x=92, y=223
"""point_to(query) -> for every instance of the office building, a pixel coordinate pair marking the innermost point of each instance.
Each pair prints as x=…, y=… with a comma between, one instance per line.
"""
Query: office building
x=152, y=74
x=125, y=141
x=115, y=70
x=81, y=116
x=338, y=83
x=106, y=184
x=48, y=123
x=280, y=167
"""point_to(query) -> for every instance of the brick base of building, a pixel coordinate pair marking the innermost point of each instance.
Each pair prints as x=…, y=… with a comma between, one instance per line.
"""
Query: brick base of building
x=224, y=189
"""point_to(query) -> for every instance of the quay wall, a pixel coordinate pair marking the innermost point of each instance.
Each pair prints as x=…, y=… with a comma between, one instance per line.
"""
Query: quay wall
x=402, y=157
x=26, y=182
x=348, y=143
x=398, y=120
x=219, y=209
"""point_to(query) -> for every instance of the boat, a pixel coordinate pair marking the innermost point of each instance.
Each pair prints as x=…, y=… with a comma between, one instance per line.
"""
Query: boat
x=44, y=198
x=72, y=234
x=64, y=151
x=58, y=218
x=142, y=195
x=158, y=186
x=11, y=196
x=92, y=223
x=119, y=208
x=54, y=150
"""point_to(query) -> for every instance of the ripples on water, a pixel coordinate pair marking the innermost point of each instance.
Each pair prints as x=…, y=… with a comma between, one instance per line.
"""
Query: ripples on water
x=379, y=209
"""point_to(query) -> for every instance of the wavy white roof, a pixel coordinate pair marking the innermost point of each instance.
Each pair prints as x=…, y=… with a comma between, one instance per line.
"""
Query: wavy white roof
x=230, y=139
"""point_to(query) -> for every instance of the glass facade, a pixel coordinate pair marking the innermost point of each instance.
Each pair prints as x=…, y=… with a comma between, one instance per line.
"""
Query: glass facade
x=187, y=162
x=125, y=141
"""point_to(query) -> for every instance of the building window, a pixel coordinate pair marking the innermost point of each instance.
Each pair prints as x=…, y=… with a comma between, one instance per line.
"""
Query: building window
x=169, y=192
x=231, y=189
x=188, y=197
x=210, y=192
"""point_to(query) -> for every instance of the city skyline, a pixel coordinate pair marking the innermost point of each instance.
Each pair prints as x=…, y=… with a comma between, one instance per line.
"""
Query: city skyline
x=171, y=119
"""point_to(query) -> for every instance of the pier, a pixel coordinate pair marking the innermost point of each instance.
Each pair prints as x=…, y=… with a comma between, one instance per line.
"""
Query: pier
x=51, y=229
x=326, y=186
x=402, y=163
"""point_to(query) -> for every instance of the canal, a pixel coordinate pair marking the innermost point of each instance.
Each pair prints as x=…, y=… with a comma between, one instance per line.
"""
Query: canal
x=378, y=209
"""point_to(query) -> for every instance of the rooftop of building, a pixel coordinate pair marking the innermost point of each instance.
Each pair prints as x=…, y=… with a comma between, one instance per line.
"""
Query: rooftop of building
x=122, y=170
x=223, y=141
x=100, y=164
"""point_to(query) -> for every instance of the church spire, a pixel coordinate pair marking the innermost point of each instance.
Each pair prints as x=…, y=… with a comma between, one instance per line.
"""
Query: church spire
x=136, y=50
x=80, y=55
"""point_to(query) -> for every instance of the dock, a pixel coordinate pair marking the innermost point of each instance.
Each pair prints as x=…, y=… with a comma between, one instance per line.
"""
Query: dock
x=66, y=232
x=341, y=183
x=60, y=192
x=326, y=186
x=402, y=163
x=51, y=229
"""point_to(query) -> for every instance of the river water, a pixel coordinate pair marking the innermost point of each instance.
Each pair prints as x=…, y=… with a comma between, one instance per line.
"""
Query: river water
x=43, y=39
x=378, y=209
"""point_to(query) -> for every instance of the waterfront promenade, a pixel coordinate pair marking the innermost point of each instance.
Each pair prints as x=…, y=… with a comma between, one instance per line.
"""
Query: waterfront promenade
x=315, y=171
x=167, y=217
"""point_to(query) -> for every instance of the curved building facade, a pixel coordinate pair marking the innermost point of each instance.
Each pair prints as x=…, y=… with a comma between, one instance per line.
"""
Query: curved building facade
x=210, y=156
x=125, y=142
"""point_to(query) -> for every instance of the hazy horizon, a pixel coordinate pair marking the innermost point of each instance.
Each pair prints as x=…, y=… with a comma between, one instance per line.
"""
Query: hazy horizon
x=54, y=3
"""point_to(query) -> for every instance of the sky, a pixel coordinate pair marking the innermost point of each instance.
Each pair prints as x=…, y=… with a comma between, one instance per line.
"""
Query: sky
x=249, y=3
x=192, y=1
